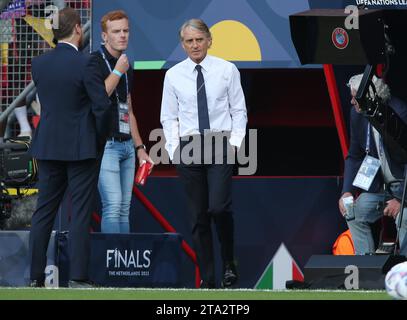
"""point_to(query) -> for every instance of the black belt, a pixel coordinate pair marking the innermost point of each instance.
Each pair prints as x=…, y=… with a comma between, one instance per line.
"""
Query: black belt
x=119, y=139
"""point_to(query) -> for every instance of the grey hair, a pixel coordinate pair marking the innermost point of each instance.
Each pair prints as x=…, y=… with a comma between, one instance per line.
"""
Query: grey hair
x=382, y=89
x=197, y=24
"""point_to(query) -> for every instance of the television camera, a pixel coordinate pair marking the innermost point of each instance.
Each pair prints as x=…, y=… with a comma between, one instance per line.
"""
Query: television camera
x=18, y=173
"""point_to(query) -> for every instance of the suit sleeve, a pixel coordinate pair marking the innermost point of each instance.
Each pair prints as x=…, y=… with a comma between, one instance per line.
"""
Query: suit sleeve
x=401, y=109
x=355, y=156
x=34, y=70
x=95, y=87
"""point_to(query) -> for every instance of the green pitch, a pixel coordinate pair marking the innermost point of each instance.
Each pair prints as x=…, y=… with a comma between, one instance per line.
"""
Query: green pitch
x=185, y=294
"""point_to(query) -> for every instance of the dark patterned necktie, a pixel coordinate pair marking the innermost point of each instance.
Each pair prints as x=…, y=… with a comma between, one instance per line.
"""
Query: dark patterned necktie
x=203, y=115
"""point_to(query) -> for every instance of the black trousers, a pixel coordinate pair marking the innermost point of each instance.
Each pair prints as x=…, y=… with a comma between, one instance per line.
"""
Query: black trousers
x=55, y=177
x=209, y=193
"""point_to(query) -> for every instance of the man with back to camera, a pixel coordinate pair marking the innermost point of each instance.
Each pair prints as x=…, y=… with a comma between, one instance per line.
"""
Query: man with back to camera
x=69, y=140
x=202, y=96
x=373, y=201
x=118, y=163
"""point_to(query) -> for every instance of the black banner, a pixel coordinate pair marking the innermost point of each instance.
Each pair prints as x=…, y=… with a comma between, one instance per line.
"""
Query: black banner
x=136, y=260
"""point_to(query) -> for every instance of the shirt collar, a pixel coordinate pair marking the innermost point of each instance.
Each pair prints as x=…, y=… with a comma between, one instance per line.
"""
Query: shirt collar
x=205, y=63
x=107, y=54
x=71, y=44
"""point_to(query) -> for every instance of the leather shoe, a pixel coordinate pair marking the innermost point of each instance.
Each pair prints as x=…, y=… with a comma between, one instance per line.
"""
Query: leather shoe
x=37, y=284
x=207, y=285
x=229, y=275
x=80, y=284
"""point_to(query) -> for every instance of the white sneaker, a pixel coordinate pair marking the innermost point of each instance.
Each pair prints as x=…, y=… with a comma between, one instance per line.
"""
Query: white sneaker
x=25, y=134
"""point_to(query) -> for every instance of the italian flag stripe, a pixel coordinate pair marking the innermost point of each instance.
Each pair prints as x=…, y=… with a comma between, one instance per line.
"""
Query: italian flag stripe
x=280, y=269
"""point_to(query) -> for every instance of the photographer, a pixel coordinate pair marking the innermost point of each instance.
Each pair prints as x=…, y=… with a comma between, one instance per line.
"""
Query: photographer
x=368, y=168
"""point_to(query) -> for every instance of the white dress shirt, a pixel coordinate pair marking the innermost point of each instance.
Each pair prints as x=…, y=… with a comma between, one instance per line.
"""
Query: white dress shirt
x=71, y=44
x=226, y=102
x=387, y=175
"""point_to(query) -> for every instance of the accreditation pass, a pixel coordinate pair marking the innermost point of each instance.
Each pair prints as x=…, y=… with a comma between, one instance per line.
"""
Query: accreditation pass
x=366, y=173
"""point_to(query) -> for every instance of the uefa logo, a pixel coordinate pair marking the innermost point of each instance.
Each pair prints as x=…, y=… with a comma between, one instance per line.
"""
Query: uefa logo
x=340, y=38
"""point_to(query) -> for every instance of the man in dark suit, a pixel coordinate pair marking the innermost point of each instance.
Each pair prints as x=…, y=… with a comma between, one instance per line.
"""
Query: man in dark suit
x=68, y=144
x=372, y=201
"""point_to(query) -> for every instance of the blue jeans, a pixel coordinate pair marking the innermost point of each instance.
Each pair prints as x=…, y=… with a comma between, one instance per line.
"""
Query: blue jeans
x=368, y=209
x=115, y=185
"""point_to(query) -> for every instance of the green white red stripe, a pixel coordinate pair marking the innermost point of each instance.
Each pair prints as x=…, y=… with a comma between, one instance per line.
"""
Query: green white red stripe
x=280, y=269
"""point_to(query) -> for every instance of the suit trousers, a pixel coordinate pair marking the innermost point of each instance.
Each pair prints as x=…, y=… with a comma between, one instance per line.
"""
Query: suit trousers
x=209, y=196
x=55, y=178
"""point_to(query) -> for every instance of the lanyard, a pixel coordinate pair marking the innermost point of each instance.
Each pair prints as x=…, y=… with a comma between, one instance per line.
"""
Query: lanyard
x=368, y=139
x=380, y=148
x=110, y=69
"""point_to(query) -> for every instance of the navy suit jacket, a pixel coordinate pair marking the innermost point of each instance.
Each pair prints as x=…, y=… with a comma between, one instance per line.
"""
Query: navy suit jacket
x=75, y=108
x=357, y=150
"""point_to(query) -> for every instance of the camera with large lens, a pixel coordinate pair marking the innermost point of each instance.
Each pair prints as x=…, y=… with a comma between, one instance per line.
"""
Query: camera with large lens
x=17, y=168
x=18, y=171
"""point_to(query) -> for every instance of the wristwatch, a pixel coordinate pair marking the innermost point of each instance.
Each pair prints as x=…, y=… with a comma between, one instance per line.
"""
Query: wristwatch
x=141, y=146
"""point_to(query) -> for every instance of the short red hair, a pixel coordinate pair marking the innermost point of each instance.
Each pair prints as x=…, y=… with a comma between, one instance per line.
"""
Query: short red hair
x=112, y=16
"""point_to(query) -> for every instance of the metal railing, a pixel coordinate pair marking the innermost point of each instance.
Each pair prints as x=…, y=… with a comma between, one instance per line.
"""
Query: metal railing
x=25, y=34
